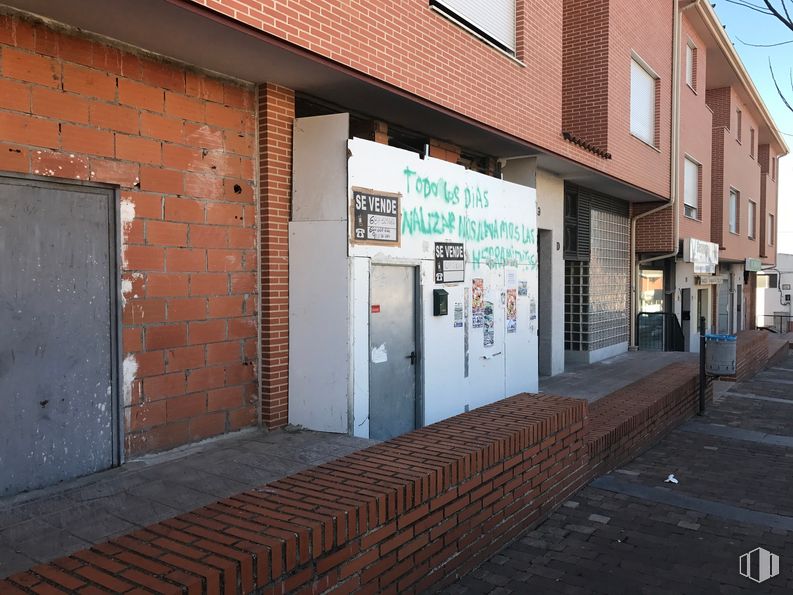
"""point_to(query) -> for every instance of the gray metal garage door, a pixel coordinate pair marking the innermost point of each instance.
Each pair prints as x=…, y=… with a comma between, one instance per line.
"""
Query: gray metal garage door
x=58, y=335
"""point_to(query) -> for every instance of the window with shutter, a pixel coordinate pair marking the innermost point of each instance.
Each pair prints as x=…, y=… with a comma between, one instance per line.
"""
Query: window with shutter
x=493, y=20
x=691, y=188
x=642, y=103
x=733, y=210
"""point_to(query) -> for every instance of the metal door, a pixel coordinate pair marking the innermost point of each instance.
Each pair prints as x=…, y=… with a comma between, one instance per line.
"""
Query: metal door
x=58, y=340
x=724, y=308
x=392, y=347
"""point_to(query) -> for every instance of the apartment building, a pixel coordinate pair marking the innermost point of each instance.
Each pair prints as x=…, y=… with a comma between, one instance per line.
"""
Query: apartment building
x=721, y=233
x=359, y=218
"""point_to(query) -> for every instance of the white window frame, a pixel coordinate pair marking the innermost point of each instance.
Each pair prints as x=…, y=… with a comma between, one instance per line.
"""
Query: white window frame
x=691, y=187
x=733, y=209
x=642, y=119
x=751, y=223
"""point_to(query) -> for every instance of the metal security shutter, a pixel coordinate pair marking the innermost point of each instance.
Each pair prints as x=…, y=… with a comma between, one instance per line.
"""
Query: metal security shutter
x=494, y=19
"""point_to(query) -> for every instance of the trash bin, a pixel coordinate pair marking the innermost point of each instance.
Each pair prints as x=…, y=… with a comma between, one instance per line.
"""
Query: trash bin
x=720, y=354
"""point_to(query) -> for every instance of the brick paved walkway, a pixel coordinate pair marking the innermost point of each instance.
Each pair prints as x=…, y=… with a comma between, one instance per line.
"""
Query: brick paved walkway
x=630, y=532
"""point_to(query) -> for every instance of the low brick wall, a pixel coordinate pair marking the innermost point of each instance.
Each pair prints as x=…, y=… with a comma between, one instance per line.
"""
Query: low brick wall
x=406, y=515
x=756, y=350
x=631, y=419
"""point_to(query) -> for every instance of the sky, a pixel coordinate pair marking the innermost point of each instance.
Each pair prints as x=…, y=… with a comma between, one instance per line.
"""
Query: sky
x=747, y=26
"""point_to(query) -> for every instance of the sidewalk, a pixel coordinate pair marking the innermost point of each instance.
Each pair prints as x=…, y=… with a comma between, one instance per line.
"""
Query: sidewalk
x=42, y=525
x=630, y=531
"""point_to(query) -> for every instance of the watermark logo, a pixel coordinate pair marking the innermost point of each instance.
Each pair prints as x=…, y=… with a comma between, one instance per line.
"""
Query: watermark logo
x=759, y=565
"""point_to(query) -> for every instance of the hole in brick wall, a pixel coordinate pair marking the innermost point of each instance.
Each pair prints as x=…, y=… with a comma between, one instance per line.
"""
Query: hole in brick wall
x=237, y=189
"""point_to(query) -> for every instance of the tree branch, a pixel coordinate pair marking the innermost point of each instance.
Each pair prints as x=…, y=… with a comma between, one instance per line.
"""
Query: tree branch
x=787, y=22
x=778, y=90
x=763, y=45
x=746, y=4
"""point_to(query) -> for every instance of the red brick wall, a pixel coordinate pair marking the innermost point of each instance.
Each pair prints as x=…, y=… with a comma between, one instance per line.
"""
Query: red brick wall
x=769, y=196
x=179, y=145
x=654, y=233
x=633, y=418
x=695, y=134
x=408, y=45
x=276, y=115
x=734, y=166
x=585, y=71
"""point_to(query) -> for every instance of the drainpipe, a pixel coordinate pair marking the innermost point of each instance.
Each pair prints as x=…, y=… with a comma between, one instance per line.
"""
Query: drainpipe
x=674, y=176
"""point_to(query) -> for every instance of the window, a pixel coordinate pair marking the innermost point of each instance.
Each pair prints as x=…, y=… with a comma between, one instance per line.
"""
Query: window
x=691, y=66
x=773, y=168
x=752, y=218
x=751, y=143
x=691, y=188
x=493, y=20
x=733, y=210
x=770, y=230
x=643, y=84
x=767, y=281
x=738, y=117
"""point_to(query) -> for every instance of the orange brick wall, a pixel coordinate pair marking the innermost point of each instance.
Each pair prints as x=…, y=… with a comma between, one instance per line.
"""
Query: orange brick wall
x=180, y=146
x=276, y=115
x=412, y=47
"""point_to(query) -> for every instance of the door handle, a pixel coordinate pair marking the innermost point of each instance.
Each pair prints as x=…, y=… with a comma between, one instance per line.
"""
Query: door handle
x=412, y=358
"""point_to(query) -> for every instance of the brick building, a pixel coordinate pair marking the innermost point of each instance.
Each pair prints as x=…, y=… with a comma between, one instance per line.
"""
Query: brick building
x=183, y=121
x=707, y=252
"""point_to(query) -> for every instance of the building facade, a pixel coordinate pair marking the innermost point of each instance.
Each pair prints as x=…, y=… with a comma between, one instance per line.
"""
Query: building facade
x=532, y=154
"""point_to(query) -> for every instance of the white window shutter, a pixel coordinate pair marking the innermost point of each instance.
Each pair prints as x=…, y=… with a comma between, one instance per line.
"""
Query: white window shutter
x=495, y=18
x=691, y=184
x=642, y=103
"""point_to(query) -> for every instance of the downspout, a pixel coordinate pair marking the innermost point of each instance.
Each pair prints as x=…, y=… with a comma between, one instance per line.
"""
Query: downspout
x=674, y=176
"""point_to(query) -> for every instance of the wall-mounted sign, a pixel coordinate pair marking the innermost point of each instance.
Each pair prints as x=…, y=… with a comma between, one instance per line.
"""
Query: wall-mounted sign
x=704, y=255
x=375, y=217
x=710, y=279
x=753, y=265
x=449, y=262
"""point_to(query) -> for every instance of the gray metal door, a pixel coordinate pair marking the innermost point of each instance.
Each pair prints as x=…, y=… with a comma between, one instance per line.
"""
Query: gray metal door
x=685, y=317
x=58, y=339
x=724, y=308
x=392, y=348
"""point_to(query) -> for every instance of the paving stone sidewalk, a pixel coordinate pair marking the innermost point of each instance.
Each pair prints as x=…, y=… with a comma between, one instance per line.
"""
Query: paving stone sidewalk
x=46, y=524
x=632, y=532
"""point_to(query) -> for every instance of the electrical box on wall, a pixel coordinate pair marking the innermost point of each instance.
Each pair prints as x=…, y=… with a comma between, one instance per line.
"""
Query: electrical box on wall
x=440, y=302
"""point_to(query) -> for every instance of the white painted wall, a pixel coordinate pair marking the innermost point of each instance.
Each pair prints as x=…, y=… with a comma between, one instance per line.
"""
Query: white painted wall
x=771, y=301
x=329, y=278
x=510, y=366
x=550, y=199
x=319, y=279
